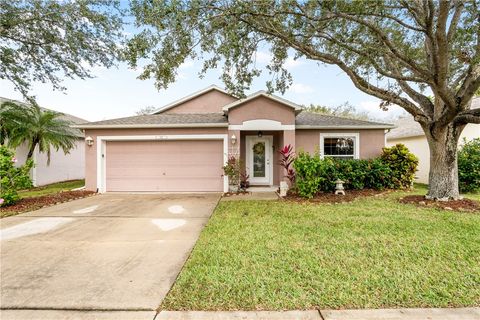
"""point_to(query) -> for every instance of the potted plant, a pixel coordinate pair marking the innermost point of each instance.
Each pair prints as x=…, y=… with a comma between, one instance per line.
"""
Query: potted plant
x=232, y=171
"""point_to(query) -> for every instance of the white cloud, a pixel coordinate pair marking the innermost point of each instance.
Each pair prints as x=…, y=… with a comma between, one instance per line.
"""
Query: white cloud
x=372, y=107
x=263, y=57
x=292, y=63
x=300, y=88
x=187, y=64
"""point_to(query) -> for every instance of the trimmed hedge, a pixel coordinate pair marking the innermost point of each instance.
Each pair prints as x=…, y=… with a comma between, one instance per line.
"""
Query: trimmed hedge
x=395, y=168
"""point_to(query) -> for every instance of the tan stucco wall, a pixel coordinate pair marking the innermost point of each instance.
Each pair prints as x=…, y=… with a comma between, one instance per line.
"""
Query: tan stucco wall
x=91, y=152
x=419, y=147
x=209, y=102
x=371, y=141
x=261, y=108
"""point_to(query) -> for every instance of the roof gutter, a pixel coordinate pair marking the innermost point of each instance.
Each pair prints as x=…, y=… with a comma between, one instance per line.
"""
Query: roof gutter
x=145, y=126
x=385, y=126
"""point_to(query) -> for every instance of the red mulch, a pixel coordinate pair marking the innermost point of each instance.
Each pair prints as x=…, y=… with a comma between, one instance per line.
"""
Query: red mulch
x=34, y=203
x=330, y=197
x=458, y=205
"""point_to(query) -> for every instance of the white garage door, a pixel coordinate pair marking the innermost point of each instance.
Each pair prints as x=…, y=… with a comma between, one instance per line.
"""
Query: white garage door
x=181, y=165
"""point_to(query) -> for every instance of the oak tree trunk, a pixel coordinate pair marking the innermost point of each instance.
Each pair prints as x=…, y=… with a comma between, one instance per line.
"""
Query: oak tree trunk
x=443, y=176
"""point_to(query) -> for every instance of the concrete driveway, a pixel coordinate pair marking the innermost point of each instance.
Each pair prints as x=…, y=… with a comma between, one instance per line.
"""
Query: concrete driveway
x=107, y=252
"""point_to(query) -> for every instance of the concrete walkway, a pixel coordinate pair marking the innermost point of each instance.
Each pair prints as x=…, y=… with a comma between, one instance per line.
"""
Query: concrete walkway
x=365, y=314
x=262, y=195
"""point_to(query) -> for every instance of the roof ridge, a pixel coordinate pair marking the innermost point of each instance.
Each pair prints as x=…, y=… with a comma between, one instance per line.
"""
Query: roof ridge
x=340, y=117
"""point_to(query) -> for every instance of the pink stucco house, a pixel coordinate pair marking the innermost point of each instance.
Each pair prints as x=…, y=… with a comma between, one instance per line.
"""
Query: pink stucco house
x=183, y=146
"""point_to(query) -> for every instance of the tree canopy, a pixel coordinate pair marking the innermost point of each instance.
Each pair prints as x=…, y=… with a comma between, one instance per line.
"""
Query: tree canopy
x=46, y=41
x=345, y=110
x=392, y=50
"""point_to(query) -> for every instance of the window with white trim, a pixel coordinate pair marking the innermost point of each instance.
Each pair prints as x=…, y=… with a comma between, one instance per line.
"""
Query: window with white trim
x=339, y=145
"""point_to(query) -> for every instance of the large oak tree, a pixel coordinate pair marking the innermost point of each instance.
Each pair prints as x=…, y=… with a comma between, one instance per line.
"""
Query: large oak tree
x=400, y=51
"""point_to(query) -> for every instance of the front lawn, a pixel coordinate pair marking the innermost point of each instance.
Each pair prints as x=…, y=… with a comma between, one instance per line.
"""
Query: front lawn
x=370, y=253
x=52, y=188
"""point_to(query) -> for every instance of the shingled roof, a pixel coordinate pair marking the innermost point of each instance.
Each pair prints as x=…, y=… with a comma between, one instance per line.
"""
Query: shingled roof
x=311, y=120
x=305, y=120
x=162, y=120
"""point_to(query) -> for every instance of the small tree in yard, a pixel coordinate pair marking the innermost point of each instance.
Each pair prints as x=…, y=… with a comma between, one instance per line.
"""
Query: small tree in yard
x=12, y=178
x=398, y=51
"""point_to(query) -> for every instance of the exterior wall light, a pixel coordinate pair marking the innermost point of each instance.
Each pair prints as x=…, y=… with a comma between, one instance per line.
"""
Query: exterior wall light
x=233, y=138
x=89, y=141
x=260, y=134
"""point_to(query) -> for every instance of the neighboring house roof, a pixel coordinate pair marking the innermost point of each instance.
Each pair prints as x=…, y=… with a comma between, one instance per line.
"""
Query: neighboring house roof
x=190, y=97
x=311, y=120
x=407, y=127
x=162, y=120
x=64, y=116
x=263, y=93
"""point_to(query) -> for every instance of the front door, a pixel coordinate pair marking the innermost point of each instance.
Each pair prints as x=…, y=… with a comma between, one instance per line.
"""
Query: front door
x=259, y=157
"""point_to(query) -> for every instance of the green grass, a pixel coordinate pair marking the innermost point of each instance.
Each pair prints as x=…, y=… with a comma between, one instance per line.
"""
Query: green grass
x=52, y=188
x=370, y=253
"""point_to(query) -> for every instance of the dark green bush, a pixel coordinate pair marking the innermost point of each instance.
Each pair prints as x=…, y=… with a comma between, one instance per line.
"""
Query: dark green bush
x=316, y=175
x=309, y=174
x=11, y=177
x=402, y=163
x=469, y=166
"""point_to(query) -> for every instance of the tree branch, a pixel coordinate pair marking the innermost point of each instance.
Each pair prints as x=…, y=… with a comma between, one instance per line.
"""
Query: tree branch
x=469, y=116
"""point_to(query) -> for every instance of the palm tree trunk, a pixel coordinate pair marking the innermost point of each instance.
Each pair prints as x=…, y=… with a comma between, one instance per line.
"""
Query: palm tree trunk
x=32, y=149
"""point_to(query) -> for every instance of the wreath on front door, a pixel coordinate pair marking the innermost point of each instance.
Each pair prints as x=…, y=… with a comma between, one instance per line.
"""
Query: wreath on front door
x=259, y=148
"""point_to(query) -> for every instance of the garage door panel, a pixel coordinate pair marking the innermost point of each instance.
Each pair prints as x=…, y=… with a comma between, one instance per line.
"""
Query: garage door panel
x=164, y=165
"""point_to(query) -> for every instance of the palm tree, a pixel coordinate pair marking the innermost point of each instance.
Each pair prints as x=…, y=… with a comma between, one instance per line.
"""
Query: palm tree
x=42, y=128
x=11, y=115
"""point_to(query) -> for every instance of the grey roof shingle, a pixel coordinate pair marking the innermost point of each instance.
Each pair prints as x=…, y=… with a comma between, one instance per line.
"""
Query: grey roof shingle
x=304, y=119
x=162, y=119
x=405, y=127
x=312, y=119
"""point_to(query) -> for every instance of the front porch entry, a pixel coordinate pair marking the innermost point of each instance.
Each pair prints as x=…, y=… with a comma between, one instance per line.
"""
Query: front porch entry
x=259, y=160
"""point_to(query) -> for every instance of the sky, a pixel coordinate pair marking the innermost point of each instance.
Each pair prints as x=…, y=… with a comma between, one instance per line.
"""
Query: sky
x=116, y=92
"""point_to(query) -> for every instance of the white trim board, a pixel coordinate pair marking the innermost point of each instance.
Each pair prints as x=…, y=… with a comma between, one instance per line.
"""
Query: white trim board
x=102, y=156
x=356, y=146
x=263, y=93
x=261, y=124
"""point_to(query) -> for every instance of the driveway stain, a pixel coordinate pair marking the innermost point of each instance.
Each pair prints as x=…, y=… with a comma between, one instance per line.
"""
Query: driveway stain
x=86, y=210
x=168, y=224
x=40, y=225
x=176, y=209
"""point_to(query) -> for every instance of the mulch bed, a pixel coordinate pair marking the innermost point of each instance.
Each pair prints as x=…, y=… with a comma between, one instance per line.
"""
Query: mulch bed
x=457, y=205
x=34, y=203
x=330, y=197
